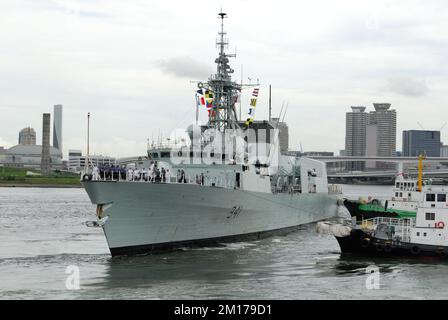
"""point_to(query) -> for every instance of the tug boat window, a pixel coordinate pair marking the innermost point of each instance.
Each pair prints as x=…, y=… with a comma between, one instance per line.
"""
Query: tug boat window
x=441, y=197
x=398, y=185
x=430, y=216
x=430, y=197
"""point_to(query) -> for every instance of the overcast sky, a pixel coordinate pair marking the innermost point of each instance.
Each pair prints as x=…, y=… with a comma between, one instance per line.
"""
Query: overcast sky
x=130, y=64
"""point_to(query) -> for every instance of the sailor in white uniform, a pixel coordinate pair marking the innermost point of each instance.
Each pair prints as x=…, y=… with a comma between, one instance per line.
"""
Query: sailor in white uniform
x=130, y=174
x=95, y=173
x=148, y=174
x=168, y=176
x=136, y=174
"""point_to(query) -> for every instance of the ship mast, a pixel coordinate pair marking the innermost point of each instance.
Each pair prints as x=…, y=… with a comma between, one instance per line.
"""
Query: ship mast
x=222, y=115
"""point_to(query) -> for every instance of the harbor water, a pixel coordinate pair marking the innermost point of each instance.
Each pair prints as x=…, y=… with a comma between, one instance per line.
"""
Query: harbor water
x=43, y=239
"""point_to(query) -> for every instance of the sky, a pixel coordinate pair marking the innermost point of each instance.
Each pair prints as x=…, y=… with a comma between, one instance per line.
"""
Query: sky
x=133, y=65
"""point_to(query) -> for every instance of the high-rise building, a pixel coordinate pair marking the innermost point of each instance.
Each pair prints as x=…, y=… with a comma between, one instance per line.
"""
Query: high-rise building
x=57, y=126
x=371, y=144
x=385, y=120
x=416, y=142
x=355, y=136
x=45, y=158
x=444, y=151
x=27, y=137
x=283, y=134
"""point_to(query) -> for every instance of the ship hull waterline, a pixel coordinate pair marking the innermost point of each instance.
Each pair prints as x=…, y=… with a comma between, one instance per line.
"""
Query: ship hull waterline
x=157, y=217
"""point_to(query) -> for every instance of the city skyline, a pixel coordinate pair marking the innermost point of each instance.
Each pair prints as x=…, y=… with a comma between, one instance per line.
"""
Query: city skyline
x=103, y=60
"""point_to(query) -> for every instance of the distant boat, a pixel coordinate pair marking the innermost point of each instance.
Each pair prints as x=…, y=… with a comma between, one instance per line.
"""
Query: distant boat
x=423, y=232
x=426, y=234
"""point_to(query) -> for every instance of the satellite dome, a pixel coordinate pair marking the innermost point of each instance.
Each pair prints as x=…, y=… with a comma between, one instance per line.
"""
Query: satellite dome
x=194, y=131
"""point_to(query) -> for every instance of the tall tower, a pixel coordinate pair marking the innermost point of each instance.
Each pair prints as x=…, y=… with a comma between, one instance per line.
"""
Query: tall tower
x=355, y=136
x=386, y=122
x=45, y=157
x=57, y=126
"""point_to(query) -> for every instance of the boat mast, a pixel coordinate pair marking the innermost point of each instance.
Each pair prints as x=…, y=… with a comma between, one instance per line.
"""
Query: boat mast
x=420, y=172
x=223, y=114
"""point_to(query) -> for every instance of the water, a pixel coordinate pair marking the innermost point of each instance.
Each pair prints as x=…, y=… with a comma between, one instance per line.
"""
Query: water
x=42, y=233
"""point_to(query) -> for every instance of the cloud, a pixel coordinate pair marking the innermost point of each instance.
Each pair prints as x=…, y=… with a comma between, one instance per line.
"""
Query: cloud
x=184, y=67
x=129, y=63
x=407, y=86
x=6, y=144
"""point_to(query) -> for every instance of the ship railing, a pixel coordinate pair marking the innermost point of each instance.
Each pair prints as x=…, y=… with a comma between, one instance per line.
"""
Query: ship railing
x=334, y=189
x=286, y=189
x=400, y=226
x=219, y=182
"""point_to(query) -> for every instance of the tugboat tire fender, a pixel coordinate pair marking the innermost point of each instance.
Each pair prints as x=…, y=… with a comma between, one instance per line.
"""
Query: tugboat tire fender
x=379, y=247
x=387, y=247
x=365, y=242
x=440, y=225
x=415, y=250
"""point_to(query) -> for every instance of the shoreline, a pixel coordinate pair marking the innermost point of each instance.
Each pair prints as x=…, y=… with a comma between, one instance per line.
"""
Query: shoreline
x=43, y=185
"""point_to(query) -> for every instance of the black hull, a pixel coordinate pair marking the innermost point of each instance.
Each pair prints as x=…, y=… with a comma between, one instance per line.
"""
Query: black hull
x=360, y=243
x=198, y=243
x=353, y=208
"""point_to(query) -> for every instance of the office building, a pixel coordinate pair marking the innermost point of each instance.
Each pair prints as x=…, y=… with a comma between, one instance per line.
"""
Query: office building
x=77, y=162
x=283, y=134
x=355, y=136
x=416, y=142
x=444, y=151
x=385, y=119
x=27, y=137
x=371, y=145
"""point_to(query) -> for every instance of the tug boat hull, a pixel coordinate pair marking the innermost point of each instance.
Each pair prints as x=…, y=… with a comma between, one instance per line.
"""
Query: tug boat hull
x=361, y=243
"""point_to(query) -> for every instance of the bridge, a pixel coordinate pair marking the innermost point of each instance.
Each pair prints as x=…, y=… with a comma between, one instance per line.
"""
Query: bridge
x=379, y=159
x=387, y=173
x=385, y=176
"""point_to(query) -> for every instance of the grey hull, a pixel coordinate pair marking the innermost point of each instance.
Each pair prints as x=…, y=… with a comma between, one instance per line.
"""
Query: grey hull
x=152, y=217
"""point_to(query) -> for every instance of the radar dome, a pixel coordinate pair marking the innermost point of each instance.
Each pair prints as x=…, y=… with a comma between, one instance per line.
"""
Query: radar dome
x=194, y=132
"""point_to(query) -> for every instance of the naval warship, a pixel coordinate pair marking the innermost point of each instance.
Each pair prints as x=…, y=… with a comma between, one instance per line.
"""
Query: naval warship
x=216, y=188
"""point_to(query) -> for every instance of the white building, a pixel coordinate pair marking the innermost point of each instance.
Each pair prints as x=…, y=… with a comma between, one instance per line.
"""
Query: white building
x=29, y=156
x=444, y=151
x=77, y=162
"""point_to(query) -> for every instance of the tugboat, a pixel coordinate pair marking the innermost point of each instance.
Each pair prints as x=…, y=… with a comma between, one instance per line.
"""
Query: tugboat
x=422, y=235
x=406, y=195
